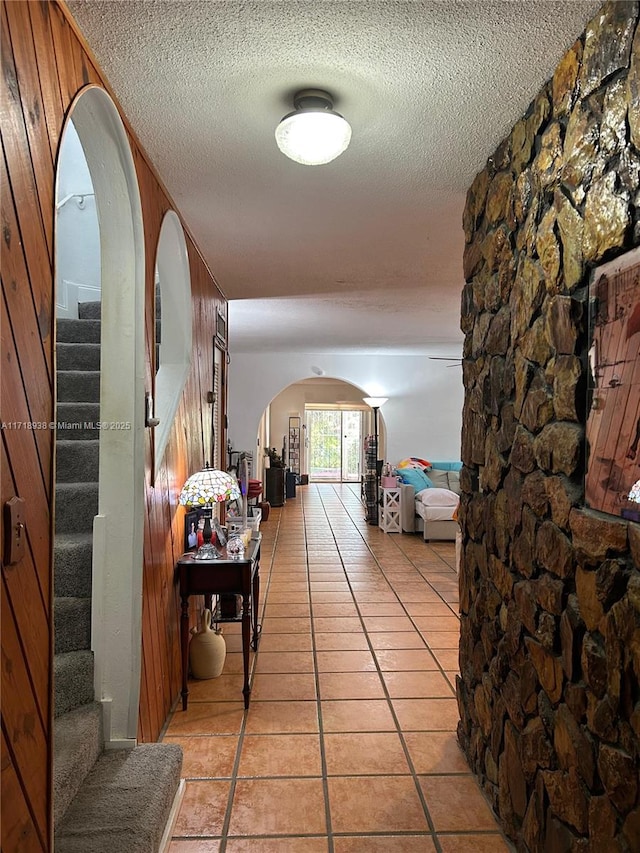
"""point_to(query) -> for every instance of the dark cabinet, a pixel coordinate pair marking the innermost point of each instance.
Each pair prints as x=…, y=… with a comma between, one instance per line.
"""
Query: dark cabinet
x=274, y=483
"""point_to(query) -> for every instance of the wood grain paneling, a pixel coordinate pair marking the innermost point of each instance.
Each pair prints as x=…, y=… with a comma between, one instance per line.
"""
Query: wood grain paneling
x=19, y=831
x=45, y=64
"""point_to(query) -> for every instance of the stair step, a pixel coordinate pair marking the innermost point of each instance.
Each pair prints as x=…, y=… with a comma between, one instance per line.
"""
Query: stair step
x=124, y=802
x=73, y=681
x=76, y=506
x=72, y=623
x=82, y=386
x=70, y=331
x=77, y=421
x=89, y=310
x=78, y=356
x=77, y=742
x=77, y=461
x=72, y=562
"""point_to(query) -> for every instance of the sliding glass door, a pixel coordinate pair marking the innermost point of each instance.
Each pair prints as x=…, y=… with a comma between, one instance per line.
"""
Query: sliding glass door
x=334, y=445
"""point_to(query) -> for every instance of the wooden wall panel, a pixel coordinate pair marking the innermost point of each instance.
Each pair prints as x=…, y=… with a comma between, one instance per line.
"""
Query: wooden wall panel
x=45, y=64
x=33, y=111
x=21, y=719
x=19, y=831
x=47, y=73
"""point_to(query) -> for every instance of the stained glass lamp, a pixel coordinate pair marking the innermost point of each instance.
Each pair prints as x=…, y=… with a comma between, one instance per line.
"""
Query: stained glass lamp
x=203, y=490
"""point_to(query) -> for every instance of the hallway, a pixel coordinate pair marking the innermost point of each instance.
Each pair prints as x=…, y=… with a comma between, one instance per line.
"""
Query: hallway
x=349, y=744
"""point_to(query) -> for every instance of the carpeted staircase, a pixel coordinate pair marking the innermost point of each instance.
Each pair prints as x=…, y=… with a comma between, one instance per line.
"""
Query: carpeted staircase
x=102, y=799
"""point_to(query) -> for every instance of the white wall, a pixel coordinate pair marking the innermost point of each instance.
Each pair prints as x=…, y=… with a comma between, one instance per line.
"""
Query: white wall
x=78, y=274
x=423, y=416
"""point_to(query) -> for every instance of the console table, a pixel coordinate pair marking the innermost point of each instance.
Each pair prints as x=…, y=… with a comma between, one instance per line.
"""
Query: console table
x=222, y=577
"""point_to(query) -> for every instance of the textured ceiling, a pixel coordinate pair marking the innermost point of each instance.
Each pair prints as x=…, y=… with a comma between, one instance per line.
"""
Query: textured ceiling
x=363, y=253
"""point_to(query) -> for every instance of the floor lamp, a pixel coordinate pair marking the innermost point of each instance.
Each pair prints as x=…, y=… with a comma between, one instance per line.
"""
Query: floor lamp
x=375, y=403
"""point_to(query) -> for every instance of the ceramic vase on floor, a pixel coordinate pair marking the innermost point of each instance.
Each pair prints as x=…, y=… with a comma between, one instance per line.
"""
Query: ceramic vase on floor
x=207, y=650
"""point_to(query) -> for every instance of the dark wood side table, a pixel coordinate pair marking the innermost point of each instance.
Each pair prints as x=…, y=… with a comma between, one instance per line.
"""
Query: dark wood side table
x=222, y=577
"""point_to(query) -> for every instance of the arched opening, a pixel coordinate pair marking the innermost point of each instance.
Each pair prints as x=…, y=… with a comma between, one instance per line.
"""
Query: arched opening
x=94, y=127
x=334, y=421
x=173, y=327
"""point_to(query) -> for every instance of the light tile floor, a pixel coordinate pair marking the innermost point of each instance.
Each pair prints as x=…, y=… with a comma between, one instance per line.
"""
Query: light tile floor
x=349, y=744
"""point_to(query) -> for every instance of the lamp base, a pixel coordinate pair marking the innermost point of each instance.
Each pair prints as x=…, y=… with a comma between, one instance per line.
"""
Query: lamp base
x=207, y=551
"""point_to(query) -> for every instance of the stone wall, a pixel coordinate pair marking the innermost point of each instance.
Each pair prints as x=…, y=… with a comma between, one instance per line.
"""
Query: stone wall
x=550, y=591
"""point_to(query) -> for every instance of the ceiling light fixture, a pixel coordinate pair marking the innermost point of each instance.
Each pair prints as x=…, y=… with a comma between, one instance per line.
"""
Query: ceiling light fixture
x=314, y=133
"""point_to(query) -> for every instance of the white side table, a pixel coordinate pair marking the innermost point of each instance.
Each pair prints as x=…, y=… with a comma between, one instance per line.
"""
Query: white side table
x=391, y=510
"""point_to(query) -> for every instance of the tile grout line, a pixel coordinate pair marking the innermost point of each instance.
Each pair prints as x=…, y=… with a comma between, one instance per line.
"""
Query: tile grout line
x=323, y=756
x=252, y=674
x=394, y=716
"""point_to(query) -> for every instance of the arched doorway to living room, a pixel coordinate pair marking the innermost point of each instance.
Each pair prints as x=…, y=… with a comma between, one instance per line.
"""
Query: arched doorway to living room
x=112, y=255
x=321, y=429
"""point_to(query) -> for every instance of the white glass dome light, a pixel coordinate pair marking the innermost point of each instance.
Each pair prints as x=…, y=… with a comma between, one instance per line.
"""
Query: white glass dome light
x=314, y=133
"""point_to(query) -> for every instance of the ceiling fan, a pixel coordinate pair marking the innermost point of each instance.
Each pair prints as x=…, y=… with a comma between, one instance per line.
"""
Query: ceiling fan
x=454, y=361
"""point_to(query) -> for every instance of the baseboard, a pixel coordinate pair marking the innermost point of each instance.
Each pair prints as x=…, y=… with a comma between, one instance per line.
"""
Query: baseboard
x=173, y=816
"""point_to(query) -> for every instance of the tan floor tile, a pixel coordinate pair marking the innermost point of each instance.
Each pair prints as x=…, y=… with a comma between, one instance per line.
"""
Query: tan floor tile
x=207, y=718
x=360, y=715
x=345, y=661
x=280, y=755
x=283, y=686
x=277, y=845
x=227, y=686
x=456, y=804
x=285, y=643
x=284, y=662
x=280, y=625
x=436, y=752
x=362, y=753
x=442, y=639
x=328, y=586
x=197, y=845
x=339, y=641
x=392, y=660
x=383, y=844
x=476, y=843
x=341, y=623
x=428, y=608
x=339, y=597
x=282, y=717
x=284, y=581
x=285, y=611
x=233, y=640
x=388, y=624
x=288, y=596
x=437, y=623
x=278, y=807
x=375, y=804
x=350, y=685
x=396, y=640
x=203, y=808
x=234, y=663
x=427, y=714
x=206, y=757
x=389, y=608
x=363, y=596
x=417, y=685
x=448, y=659
x=336, y=610
x=320, y=575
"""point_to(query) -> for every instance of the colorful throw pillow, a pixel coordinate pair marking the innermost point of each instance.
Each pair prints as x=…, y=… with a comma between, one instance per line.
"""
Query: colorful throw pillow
x=414, y=477
x=415, y=462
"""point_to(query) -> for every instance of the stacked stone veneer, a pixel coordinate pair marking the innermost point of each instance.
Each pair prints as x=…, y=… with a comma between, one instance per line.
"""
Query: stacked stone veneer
x=550, y=591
